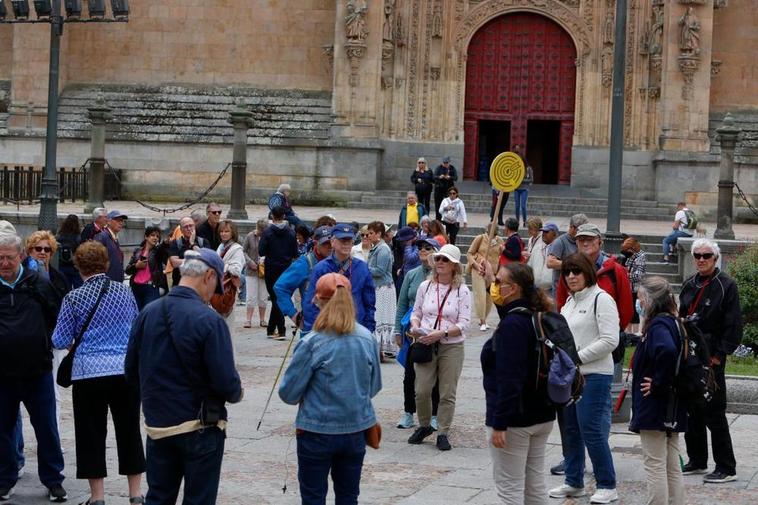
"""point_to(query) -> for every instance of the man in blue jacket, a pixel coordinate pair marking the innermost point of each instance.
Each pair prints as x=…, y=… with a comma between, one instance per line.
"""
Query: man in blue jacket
x=109, y=238
x=180, y=353
x=340, y=261
x=297, y=275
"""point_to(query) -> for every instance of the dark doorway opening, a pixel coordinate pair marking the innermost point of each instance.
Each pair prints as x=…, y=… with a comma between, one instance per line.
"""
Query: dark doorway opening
x=543, y=140
x=494, y=138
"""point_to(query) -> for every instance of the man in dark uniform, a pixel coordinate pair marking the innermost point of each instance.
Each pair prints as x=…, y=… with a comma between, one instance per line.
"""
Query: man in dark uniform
x=445, y=176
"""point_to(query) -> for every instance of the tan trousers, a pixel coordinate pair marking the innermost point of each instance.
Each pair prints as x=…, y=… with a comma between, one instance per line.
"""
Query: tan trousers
x=518, y=469
x=482, y=299
x=446, y=366
x=660, y=455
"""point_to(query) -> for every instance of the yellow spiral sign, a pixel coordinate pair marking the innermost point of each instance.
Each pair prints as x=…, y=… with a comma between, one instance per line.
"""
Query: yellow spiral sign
x=507, y=171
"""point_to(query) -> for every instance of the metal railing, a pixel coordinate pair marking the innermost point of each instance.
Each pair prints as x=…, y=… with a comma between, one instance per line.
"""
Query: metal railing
x=22, y=184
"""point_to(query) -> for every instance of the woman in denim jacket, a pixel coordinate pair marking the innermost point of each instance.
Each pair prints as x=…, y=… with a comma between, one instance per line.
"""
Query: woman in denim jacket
x=333, y=375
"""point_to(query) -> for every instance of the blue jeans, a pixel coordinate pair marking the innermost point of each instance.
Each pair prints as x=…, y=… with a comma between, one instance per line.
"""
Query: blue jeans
x=671, y=239
x=588, y=423
x=144, y=294
x=521, y=197
x=19, y=435
x=318, y=453
x=195, y=457
x=37, y=395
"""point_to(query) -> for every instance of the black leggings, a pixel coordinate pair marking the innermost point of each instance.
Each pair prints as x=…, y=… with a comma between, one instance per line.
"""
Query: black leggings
x=409, y=389
x=92, y=399
x=452, y=231
x=276, y=318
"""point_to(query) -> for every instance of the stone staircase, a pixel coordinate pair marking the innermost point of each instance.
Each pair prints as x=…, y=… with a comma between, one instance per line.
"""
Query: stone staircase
x=196, y=114
x=540, y=204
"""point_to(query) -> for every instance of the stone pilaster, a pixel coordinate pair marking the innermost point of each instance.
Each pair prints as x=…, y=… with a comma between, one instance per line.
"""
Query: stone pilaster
x=686, y=76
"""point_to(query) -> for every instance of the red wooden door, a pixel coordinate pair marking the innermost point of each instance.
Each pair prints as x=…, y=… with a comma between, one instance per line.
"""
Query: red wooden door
x=520, y=66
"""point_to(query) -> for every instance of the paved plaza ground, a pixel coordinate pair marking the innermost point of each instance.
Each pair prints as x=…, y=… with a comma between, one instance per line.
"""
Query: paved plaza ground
x=257, y=463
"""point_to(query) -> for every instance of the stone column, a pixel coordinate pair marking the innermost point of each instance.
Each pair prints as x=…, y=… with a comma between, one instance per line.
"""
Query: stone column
x=728, y=133
x=241, y=119
x=686, y=79
x=99, y=114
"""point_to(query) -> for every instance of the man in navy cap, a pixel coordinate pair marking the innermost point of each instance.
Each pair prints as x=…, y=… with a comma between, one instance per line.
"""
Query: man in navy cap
x=445, y=176
x=109, y=238
x=297, y=276
x=180, y=353
x=340, y=261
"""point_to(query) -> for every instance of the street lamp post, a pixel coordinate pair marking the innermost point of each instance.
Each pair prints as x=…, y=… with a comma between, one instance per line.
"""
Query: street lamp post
x=50, y=12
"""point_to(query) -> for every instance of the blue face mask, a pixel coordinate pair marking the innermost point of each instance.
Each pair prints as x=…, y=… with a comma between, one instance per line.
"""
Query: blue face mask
x=638, y=307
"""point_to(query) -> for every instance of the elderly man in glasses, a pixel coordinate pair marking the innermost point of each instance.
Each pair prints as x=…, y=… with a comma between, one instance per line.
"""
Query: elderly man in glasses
x=711, y=297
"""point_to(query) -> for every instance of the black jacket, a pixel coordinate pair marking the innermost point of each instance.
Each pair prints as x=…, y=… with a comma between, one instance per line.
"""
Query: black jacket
x=718, y=310
x=514, y=396
x=28, y=314
x=211, y=235
x=279, y=245
x=443, y=185
x=422, y=180
x=155, y=262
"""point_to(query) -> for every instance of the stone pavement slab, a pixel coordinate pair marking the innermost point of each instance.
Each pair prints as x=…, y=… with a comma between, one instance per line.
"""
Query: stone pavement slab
x=257, y=463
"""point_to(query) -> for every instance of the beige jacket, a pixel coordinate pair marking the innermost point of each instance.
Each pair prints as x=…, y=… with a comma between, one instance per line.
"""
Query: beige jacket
x=478, y=248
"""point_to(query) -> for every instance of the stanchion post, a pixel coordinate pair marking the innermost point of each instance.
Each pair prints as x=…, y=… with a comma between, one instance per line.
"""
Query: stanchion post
x=241, y=119
x=98, y=115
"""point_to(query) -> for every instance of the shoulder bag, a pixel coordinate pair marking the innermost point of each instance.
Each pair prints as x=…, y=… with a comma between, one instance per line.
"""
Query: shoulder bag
x=63, y=377
x=423, y=353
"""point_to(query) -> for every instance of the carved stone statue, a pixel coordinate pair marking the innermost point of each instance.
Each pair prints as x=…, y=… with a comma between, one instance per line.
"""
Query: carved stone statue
x=689, y=40
x=609, y=28
x=355, y=22
x=388, y=32
x=655, y=45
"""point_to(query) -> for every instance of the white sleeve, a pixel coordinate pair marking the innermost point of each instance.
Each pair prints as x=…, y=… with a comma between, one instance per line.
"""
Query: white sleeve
x=462, y=218
x=608, y=330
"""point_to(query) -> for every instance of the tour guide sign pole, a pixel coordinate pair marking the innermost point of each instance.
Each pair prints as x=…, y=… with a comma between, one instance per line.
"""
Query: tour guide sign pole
x=506, y=174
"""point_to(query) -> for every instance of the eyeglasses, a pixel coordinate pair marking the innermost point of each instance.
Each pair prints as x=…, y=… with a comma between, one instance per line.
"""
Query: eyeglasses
x=704, y=256
x=443, y=259
x=575, y=271
x=217, y=212
x=40, y=249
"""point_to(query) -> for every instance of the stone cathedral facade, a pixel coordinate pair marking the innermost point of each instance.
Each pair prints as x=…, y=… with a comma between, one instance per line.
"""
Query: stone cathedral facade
x=346, y=94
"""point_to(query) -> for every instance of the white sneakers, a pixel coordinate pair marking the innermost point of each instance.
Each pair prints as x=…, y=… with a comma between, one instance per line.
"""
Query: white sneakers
x=604, y=496
x=566, y=491
x=600, y=496
x=484, y=327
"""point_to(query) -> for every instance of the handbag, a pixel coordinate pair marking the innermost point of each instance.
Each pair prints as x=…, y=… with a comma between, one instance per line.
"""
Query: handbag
x=65, y=369
x=224, y=304
x=374, y=436
x=423, y=353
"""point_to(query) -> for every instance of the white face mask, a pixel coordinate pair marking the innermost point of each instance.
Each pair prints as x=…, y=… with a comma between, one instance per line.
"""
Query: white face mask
x=638, y=307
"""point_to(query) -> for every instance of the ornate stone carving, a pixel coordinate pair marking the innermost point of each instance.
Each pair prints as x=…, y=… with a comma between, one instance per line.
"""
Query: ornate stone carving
x=715, y=67
x=589, y=13
x=571, y=3
x=412, y=91
x=693, y=2
x=434, y=73
x=720, y=4
x=606, y=66
x=689, y=38
x=328, y=53
x=437, y=21
x=355, y=50
x=388, y=44
x=609, y=28
x=355, y=22
x=688, y=65
x=388, y=29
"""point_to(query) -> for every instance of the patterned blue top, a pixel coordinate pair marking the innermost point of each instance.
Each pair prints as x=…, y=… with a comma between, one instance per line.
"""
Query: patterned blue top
x=103, y=347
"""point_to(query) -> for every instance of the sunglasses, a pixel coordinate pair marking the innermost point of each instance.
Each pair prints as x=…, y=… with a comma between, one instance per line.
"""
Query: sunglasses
x=364, y=235
x=575, y=271
x=421, y=163
x=40, y=249
x=425, y=247
x=443, y=259
x=217, y=212
x=704, y=256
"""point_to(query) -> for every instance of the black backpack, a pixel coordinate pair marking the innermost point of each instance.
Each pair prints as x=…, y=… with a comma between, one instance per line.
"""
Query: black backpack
x=694, y=381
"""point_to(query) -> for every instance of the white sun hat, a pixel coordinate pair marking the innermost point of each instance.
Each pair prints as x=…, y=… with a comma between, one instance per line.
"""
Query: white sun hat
x=450, y=252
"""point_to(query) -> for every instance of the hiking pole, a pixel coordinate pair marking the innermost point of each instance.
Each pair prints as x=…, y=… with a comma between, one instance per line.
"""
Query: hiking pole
x=281, y=367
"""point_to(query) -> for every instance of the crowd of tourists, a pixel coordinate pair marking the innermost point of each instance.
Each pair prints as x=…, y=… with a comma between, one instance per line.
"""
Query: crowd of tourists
x=358, y=296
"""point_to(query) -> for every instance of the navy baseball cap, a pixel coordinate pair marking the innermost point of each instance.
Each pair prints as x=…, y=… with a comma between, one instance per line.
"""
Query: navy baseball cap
x=428, y=240
x=344, y=230
x=550, y=227
x=213, y=260
x=322, y=234
x=115, y=214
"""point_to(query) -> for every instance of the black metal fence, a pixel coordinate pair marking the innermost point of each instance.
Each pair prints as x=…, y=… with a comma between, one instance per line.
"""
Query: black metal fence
x=23, y=184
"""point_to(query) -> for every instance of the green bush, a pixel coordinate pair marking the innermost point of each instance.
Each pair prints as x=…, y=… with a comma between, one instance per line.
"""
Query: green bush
x=744, y=270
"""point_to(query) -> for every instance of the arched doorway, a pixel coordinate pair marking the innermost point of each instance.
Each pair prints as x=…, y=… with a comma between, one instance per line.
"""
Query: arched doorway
x=520, y=89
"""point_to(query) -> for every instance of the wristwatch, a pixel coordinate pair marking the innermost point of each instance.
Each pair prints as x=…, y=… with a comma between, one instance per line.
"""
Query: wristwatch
x=445, y=334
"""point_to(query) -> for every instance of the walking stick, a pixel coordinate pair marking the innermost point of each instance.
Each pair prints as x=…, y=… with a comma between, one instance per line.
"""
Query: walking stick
x=281, y=367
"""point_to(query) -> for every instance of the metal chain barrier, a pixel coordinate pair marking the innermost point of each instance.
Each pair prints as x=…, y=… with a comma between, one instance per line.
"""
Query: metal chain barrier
x=185, y=206
x=744, y=197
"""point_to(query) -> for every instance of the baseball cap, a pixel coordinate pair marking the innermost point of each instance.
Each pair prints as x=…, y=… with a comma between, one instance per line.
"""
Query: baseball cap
x=327, y=284
x=550, y=227
x=589, y=230
x=344, y=230
x=115, y=214
x=213, y=260
x=446, y=159
x=428, y=240
x=450, y=252
x=322, y=234
x=6, y=226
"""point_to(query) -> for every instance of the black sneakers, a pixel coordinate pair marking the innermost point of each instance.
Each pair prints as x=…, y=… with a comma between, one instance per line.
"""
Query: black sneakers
x=692, y=469
x=6, y=493
x=57, y=493
x=442, y=443
x=719, y=477
x=420, y=434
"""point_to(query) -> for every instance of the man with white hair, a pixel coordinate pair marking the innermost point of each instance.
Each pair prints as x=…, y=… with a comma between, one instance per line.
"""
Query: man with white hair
x=209, y=230
x=180, y=353
x=99, y=220
x=711, y=297
x=281, y=198
x=28, y=309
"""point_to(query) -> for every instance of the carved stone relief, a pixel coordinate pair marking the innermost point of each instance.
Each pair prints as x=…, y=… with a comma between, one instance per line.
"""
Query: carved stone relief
x=606, y=66
x=689, y=50
x=651, y=45
x=715, y=67
x=693, y=2
x=412, y=78
x=720, y=4
x=355, y=33
x=388, y=44
x=328, y=53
